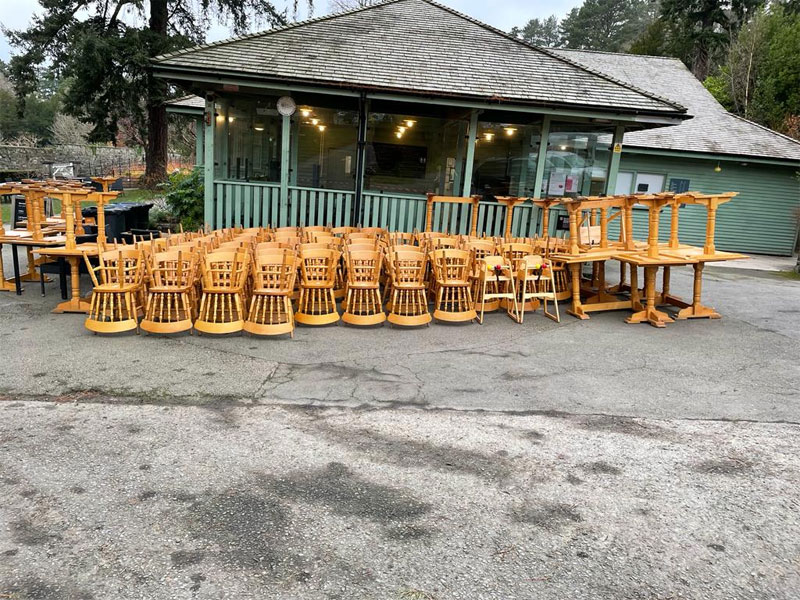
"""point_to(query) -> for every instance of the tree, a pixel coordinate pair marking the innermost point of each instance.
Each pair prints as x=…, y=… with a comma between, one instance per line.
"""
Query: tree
x=101, y=46
x=343, y=5
x=708, y=24
x=609, y=25
x=69, y=130
x=540, y=32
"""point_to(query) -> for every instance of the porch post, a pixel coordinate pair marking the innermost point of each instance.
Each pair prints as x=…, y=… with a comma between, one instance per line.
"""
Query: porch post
x=361, y=149
x=198, y=142
x=613, y=165
x=286, y=127
x=473, y=134
x=541, y=159
x=459, y=159
x=209, y=123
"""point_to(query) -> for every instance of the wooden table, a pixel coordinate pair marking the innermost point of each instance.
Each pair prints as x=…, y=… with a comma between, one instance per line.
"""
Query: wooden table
x=16, y=238
x=105, y=181
x=74, y=257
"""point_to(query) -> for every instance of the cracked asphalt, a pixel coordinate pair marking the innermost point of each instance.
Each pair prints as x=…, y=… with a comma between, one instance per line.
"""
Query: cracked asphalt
x=583, y=460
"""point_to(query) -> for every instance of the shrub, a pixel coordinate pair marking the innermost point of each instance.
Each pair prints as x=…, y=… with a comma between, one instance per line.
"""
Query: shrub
x=184, y=194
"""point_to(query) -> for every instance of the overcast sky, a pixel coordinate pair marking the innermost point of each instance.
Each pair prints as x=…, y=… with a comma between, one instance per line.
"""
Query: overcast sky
x=504, y=14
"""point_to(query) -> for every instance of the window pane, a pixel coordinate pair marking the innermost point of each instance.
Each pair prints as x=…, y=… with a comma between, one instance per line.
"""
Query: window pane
x=248, y=139
x=415, y=154
x=577, y=160
x=326, y=147
x=624, y=182
x=505, y=159
x=648, y=183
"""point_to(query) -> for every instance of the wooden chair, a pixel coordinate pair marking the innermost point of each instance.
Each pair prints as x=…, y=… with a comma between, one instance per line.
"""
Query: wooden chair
x=534, y=281
x=409, y=301
x=514, y=253
x=362, y=304
x=117, y=279
x=171, y=300
x=495, y=279
x=223, y=276
x=317, y=303
x=479, y=249
x=453, y=296
x=274, y=273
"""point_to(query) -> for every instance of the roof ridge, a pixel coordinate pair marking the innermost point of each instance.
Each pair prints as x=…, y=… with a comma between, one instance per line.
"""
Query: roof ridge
x=608, y=52
x=551, y=54
x=765, y=128
x=257, y=34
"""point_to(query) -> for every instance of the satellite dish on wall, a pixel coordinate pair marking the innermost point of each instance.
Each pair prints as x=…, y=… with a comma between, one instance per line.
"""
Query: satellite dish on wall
x=286, y=106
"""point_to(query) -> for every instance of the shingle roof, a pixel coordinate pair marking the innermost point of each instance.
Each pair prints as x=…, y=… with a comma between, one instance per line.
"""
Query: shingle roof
x=188, y=101
x=417, y=46
x=712, y=129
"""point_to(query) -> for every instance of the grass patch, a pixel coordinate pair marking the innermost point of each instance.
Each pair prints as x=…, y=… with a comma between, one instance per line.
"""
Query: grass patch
x=789, y=275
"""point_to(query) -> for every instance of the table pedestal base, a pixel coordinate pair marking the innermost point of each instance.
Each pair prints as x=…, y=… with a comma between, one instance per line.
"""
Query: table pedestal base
x=74, y=305
x=655, y=317
x=698, y=311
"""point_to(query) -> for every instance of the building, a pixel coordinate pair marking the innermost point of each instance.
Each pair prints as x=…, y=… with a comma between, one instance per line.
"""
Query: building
x=387, y=108
x=353, y=118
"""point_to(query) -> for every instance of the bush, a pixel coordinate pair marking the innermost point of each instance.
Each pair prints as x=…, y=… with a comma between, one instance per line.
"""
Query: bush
x=184, y=193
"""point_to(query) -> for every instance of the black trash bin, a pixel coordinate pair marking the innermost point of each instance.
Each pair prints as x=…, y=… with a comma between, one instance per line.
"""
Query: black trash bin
x=138, y=216
x=115, y=219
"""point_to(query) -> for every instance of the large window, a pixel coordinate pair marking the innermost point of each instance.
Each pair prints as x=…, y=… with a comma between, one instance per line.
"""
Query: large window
x=577, y=160
x=505, y=158
x=324, y=142
x=413, y=153
x=248, y=139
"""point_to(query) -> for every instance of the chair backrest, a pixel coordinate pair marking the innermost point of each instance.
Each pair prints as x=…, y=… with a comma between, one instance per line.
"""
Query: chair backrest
x=121, y=266
x=359, y=247
x=314, y=246
x=261, y=246
x=283, y=232
x=479, y=249
x=531, y=265
x=378, y=231
x=408, y=266
x=174, y=268
x=318, y=267
x=342, y=231
x=515, y=252
x=450, y=266
x=363, y=266
x=275, y=270
x=225, y=269
x=400, y=237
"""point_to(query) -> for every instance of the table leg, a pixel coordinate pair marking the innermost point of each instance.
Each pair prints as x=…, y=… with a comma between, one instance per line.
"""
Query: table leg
x=650, y=314
x=5, y=286
x=17, y=279
x=636, y=300
x=622, y=285
x=62, y=279
x=602, y=295
x=577, y=310
x=697, y=310
x=75, y=304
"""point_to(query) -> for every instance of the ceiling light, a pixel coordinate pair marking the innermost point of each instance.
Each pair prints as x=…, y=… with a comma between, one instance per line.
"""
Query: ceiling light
x=315, y=121
x=399, y=134
x=401, y=129
x=230, y=119
x=305, y=112
x=410, y=122
x=488, y=136
x=717, y=169
x=510, y=130
x=562, y=147
x=322, y=127
x=258, y=128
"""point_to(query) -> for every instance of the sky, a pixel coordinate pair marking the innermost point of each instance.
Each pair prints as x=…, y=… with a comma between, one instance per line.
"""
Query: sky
x=504, y=14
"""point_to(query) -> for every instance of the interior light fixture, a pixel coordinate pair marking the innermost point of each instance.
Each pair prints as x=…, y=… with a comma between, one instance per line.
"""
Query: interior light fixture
x=315, y=121
x=402, y=129
x=410, y=122
x=220, y=118
x=258, y=128
x=510, y=130
x=399, y=134
x=488, y=136
x=230, y=119
x=562, y=147
x=322, y=127
x=305, y=112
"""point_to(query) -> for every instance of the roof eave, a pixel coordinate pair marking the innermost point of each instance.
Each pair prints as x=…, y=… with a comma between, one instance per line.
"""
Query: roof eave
x=784, y=162
x=642, y=116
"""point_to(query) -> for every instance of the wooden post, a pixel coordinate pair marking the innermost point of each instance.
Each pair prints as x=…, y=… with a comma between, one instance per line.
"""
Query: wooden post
x=208, y=166
x=474, y=227
x=652, y=236
x=711, y=221
x=573, y=228
x=604, y=227
x=286, y=125
x=429, y=213
x=541, y=160
x=673, y=225
x=473, y=134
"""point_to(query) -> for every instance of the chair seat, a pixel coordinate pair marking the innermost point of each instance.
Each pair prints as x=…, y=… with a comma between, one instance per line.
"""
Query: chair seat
x=112, y=287
x=165, y=289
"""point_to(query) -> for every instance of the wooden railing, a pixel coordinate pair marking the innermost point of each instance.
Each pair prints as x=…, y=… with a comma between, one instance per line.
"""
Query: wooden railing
x=254, y=204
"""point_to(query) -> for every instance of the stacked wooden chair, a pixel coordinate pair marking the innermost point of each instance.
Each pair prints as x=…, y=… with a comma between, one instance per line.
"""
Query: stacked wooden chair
x=363, y=304
x=317, y=302
x=171, y=300
x=495, y=281
x=408, y=305
x=223, y=275
x=274, y=272
x=451, y=269
x=117, y=280
x=535, y=281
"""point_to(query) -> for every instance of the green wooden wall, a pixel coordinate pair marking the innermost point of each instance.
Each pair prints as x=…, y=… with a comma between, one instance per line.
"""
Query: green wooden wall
x=762, y=219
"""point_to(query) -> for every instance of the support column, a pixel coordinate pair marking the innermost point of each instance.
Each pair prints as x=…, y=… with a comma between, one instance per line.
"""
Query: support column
x=208, y=165
x=613, y=165
x=541, y=159
x=473, y=135
x=199, y=139
x=361, y=150
x=286, y=126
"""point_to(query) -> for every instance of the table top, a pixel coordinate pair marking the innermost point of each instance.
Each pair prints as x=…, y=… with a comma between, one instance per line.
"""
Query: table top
x=79, y=250
x=17, y=237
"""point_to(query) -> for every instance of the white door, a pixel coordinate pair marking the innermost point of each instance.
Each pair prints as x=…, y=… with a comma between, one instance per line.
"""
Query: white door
x=648, y=183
